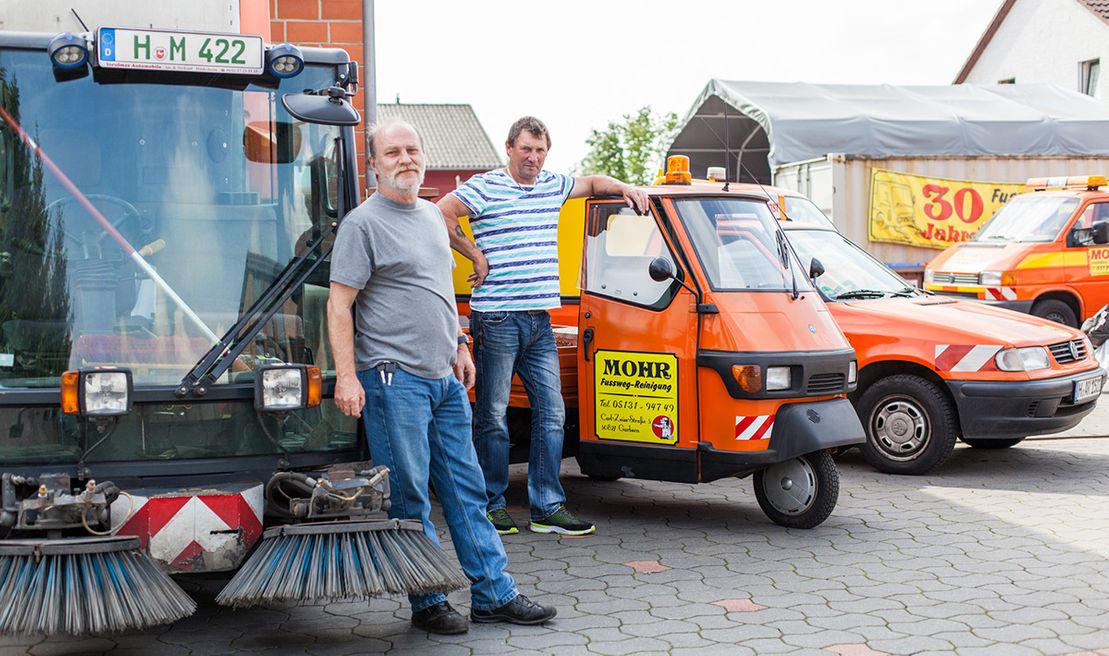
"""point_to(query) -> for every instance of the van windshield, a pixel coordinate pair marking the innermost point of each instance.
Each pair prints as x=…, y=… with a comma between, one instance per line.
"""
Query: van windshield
x=739, y=244
x=217, y=189
x=849, y=272
x=1029, y=218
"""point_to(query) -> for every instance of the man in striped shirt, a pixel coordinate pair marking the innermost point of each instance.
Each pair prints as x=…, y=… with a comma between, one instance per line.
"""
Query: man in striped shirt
x=514, y=216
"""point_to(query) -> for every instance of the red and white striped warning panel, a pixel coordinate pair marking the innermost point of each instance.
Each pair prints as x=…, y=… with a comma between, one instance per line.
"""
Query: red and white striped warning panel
x=212, y=531
x=961, y=357
x=757, y=427
x=1001, y=294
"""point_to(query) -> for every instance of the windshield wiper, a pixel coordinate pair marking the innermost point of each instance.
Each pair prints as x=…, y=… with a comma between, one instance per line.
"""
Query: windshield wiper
x=907, y=292
x=862, y=293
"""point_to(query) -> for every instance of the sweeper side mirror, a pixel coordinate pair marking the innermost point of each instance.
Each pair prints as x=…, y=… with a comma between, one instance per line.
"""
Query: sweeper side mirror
x=327, y=107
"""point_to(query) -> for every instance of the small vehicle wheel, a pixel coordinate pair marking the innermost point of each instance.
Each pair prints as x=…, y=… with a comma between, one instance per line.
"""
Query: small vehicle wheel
x=798, y=493
x=1055, y=310
x=983, y=443
x=910, y=424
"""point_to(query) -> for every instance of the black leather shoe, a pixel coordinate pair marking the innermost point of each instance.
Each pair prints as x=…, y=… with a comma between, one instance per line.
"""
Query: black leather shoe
x=441, y=619
x=520, y=610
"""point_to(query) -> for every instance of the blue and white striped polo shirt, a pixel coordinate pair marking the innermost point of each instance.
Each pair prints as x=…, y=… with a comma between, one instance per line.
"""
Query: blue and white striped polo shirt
x=517, y=229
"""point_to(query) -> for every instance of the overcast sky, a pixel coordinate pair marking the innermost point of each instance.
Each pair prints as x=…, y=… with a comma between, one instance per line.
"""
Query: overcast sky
x=578, y=64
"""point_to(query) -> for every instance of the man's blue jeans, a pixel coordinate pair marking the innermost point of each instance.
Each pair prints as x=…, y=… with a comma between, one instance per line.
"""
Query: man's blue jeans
x=522, y=343
x=420, y=429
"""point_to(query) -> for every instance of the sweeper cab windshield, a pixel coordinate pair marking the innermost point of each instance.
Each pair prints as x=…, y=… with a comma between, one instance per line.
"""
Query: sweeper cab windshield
x=143, y=213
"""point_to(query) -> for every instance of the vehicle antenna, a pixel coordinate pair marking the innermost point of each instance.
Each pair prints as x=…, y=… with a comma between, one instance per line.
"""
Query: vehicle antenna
x=727, y=152
x=78, y=17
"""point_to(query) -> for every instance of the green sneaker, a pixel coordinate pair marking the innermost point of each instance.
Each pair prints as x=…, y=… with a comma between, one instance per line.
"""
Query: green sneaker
x=502, y=521
x=563, y=522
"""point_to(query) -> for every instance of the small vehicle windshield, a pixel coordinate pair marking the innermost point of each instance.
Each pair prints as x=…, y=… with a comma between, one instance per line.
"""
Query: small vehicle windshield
x=1029, y=218
x=849, y=271
x=739, y=244
x=216, y=188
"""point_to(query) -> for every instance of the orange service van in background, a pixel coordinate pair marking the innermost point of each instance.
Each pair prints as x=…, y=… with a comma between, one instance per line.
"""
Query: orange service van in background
x=1045, y=253
x=933, y=369
x=676, y=370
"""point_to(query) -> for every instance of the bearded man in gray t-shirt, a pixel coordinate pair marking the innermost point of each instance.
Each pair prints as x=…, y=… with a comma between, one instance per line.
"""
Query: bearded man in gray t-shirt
x=394, y=358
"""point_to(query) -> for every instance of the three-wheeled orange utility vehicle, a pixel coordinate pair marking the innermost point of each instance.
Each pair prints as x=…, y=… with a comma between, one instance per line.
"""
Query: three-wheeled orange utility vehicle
x=1045, y=252
x=700, y=350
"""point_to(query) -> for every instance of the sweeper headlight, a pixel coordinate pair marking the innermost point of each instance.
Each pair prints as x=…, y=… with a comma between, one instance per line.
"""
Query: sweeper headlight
x=68, y=51
x=283, y=387
x=97, y=392
x=284, y=60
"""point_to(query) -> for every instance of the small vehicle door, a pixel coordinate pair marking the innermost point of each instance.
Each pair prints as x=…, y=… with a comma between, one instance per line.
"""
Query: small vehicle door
x=637, y=336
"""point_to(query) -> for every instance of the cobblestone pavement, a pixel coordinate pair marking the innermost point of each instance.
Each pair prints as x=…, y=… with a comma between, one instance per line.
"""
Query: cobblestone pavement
x=998, y=552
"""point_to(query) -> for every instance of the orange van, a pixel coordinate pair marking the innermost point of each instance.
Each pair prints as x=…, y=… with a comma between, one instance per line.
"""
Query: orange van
x=933, y=369
x=698, y=349
x=1045, y=253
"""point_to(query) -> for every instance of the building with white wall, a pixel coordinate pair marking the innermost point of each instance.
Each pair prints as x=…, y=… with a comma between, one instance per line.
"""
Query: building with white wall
x=1062, y=42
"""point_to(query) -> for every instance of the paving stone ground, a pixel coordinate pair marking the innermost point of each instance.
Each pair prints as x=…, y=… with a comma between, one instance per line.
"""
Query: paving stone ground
x=996, y=552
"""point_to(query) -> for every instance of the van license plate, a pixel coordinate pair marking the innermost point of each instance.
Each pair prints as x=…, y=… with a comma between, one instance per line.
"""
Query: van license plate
x=1085, y=390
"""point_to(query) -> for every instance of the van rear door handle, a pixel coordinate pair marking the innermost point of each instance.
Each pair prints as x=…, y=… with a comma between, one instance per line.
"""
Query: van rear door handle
x=587, y=342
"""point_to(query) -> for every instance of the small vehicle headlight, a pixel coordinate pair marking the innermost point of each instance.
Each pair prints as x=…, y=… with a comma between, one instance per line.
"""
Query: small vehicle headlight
x=990, y=278
x=778, y=378
x=853, y=373
x=97, y=392
x=929, y=276
x=1029, y=358
x=287, y=387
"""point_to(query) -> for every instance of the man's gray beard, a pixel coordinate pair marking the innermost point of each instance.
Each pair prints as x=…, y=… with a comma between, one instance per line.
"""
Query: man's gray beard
x=392, y=182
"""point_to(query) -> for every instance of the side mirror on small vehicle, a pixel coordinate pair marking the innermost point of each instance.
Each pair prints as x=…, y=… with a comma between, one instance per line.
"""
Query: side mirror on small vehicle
x=326, y=107
x=1101, y=232
x=660, y=269
x=816, y=269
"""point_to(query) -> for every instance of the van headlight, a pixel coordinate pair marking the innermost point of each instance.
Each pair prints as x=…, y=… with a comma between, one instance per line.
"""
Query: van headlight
x=1029, y=358
x=990, y=278
x=929, y=276
x=853, y=372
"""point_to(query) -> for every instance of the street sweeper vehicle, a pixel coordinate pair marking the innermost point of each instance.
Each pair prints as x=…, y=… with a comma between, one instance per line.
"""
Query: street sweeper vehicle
x=698, y=349
x=167, y=205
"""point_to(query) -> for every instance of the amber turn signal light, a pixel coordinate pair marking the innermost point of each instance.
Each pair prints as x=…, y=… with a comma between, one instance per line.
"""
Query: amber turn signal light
x=748, y=376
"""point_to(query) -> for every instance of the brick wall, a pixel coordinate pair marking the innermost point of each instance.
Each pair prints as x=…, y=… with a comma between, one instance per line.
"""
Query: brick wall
x=327, y=23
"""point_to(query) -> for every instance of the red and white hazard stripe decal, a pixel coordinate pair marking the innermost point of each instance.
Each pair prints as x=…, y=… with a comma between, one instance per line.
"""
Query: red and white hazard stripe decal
x=955, y=357
x=1001, y=294
x=194, y=533
x=754, y=428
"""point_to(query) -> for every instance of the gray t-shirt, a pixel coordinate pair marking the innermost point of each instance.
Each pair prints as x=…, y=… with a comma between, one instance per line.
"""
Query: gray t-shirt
x=399, y=256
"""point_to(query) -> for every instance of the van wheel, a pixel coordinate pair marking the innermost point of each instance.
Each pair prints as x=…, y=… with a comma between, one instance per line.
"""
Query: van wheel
x=798, y=493
x=984, y=443
x=1055, y=310
x=909, y=422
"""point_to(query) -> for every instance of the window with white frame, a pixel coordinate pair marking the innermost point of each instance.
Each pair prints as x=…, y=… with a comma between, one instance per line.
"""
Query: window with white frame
x=1089, y=72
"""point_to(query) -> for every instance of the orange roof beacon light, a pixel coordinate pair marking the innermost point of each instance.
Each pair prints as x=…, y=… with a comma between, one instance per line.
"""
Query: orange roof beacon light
x=1087, y=182
x=677, y=170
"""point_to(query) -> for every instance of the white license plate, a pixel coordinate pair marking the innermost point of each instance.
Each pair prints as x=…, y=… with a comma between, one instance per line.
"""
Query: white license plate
x=1084, y=390
x=179, y=51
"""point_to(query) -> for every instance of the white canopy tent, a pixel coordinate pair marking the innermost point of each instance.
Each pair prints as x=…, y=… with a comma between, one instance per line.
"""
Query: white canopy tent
x=768, y=124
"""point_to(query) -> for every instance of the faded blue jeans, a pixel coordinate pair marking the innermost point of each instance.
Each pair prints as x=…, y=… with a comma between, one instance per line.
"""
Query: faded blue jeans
x=420, y=429
x=522, y=343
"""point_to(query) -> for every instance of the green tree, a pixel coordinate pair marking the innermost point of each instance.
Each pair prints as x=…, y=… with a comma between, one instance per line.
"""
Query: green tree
x=632, y=149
